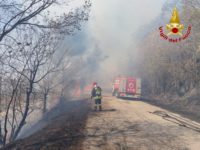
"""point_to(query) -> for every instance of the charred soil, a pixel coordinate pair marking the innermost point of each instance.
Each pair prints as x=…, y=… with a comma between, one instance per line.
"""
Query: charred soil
x=62, y=128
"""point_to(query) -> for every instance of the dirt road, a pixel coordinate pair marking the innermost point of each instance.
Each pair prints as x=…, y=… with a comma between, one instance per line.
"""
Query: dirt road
x=135, y=125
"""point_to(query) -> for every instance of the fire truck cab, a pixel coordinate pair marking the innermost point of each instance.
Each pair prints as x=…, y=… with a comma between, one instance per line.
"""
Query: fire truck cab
x=127, y=87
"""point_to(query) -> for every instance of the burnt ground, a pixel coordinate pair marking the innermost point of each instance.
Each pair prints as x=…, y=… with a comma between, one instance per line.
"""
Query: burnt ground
x=60, y=129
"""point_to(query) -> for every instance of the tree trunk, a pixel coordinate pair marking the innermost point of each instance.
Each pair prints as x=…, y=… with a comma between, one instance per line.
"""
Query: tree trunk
x=22, y=122
x=45, y=103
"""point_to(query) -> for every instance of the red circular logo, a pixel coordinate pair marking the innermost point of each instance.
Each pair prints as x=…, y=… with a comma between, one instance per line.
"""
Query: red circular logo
x=175, y=30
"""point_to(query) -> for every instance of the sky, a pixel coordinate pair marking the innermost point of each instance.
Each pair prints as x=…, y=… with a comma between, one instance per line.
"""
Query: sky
x=111, y=32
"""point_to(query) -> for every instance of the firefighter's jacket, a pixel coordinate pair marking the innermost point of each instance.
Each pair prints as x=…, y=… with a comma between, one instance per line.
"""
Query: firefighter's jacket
x=96, y=93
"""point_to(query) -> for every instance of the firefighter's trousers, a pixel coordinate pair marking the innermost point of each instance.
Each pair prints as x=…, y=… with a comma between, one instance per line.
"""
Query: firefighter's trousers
x=97, y=104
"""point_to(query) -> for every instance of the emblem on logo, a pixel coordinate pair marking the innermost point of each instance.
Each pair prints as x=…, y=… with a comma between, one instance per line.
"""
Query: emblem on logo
x=175, y=29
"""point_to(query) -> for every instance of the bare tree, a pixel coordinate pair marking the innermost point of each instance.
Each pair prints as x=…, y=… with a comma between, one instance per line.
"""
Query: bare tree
x=31, y=59
x=35, y=13
x=53, y=80
x=29, y=36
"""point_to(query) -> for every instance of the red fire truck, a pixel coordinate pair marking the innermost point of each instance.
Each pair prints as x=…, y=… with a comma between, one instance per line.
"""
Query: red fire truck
x=127, y=87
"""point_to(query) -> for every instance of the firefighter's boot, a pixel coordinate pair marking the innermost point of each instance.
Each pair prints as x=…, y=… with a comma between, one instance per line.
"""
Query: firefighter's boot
x=100, y=108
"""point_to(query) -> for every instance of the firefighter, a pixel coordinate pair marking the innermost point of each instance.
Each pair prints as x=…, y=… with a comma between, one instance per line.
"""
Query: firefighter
x=96, y=95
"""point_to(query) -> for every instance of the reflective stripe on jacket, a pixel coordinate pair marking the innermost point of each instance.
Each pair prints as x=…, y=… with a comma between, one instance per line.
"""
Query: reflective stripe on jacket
x=97, y=97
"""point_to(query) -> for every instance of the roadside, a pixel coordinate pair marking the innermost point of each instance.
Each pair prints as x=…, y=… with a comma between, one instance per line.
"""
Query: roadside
x=135, y=125
x=61, y=128
x=187, y=107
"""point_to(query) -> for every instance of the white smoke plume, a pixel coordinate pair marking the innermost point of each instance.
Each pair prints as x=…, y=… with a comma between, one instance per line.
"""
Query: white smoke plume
x=108, y=40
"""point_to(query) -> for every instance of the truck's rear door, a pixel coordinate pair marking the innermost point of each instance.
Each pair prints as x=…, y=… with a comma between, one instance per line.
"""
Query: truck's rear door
x=131, y=86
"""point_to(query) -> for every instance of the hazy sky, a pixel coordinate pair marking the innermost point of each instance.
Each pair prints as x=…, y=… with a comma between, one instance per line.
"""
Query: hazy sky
x=113, y=25
x=122, y=18
x=111, y=30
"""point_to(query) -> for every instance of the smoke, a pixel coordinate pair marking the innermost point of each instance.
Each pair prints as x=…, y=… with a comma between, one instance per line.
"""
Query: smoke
x=107, y=43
